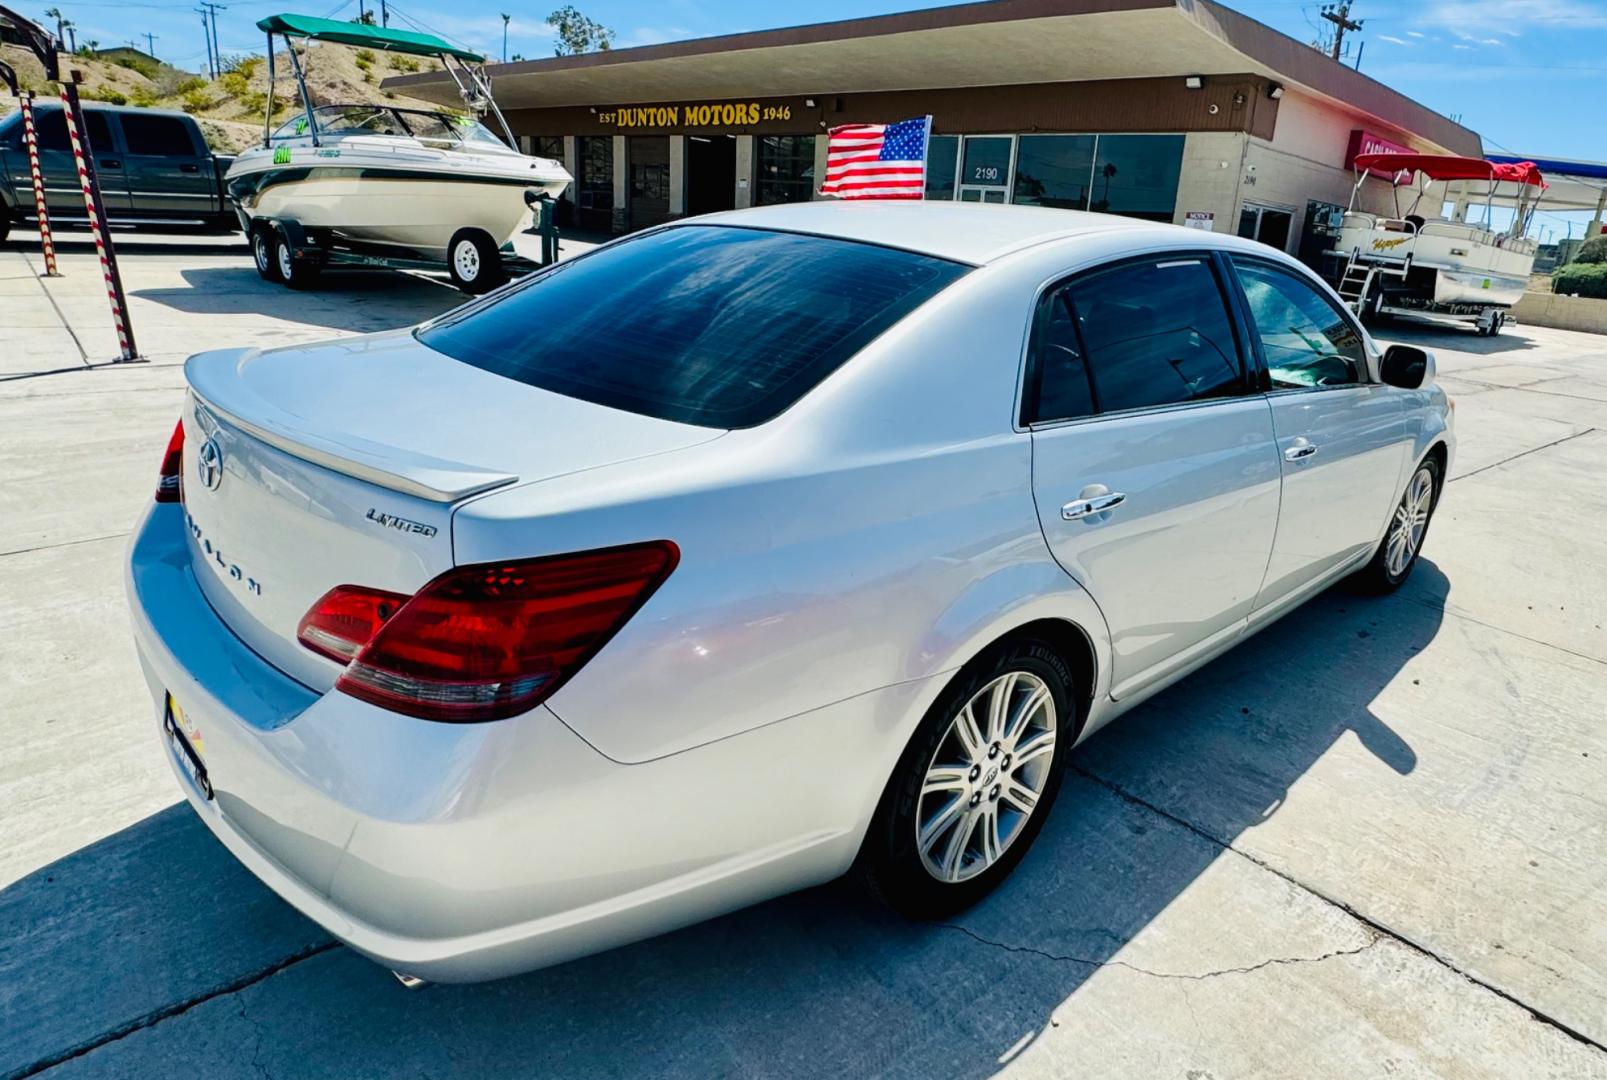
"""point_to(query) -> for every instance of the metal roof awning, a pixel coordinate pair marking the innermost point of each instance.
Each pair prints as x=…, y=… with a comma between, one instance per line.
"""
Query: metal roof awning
x=1575, y=185
x=995, y=43
x=364, y=36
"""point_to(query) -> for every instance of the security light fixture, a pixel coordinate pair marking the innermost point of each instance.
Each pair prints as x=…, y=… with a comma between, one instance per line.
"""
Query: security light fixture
x=1275, y=90
x=1194, y=82
x=809, y=103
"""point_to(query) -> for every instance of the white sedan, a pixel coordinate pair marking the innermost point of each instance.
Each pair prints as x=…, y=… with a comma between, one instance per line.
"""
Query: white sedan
x=742, y=553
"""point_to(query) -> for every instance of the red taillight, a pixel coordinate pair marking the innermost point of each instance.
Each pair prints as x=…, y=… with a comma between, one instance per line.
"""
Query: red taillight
x=345, y=619
x=167, y=481
x=489, y=641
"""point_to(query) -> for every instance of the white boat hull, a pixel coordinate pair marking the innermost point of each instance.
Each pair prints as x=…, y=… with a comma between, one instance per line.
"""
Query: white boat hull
x=420, y=215
x=406, y=198
x=1452, y=263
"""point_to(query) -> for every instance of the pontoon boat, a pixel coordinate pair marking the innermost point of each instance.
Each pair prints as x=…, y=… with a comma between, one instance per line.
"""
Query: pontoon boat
x=1419, y=262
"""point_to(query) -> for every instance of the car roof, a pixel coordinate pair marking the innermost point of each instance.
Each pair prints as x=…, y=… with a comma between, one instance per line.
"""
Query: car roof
x=967, y=232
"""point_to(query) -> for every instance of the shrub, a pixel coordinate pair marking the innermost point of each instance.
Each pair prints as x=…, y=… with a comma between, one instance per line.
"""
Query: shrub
x=143, y=97
x=254, y=101
x=364, y=58
x=197, y=99
x=234, y=84
x=1582, y=279
x=133, y=63
x=245, y=65
x=107, y=94
x=1593, y=250
x=404, y=63
x=189, y=85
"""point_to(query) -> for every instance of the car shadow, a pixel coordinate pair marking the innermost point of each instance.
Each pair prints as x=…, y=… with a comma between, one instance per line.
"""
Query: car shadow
x=158, y=919
x=357, y=300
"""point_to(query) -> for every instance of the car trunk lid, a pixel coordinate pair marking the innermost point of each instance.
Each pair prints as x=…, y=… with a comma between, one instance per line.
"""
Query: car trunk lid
x=311, y=467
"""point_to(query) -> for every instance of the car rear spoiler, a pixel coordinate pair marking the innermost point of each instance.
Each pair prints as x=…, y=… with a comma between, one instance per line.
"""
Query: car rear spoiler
x=215, y=381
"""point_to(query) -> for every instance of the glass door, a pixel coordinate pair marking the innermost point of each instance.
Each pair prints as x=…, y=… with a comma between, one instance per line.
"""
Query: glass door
x=1268, y=224
x=985, y=167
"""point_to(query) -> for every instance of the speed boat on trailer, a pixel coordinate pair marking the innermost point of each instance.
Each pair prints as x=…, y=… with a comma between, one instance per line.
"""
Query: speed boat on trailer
x=369, y=184
x=1419, y=262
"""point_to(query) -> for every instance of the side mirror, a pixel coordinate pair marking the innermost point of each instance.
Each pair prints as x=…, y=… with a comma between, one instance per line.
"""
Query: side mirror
x=1407, y=367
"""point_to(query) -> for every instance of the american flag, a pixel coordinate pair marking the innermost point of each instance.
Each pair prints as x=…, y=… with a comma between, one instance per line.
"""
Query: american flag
x=877, y=161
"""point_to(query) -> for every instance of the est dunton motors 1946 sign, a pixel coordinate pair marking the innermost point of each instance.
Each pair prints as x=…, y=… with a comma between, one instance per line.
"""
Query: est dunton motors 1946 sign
x=729, y=114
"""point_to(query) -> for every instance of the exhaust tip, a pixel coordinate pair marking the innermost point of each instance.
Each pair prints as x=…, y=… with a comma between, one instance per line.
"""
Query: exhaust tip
x=412, y=982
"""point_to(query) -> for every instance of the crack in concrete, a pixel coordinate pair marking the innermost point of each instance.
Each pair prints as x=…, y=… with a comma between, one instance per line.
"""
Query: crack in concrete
x=65, y=543
x=256, y=1029
x=1276, y=961
x=167, y=1012
x=1526, y=453
x=1366, y=920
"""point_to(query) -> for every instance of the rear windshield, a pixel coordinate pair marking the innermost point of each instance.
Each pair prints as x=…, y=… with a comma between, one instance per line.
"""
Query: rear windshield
x=709, y=325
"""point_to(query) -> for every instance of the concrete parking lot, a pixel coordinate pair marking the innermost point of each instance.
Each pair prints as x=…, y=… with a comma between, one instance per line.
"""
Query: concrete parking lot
x=1371, y=841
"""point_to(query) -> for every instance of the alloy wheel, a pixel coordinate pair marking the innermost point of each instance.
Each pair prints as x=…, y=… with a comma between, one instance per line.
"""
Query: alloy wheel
x=286, y=266
x=986, y=776
x=259, y=249
x=1410, y=522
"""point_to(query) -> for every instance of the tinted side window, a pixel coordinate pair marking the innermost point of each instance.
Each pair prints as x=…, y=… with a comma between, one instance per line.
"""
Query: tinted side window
x=165, y=135
x=50, y=128
x=1305, y=339
x=1157, y=333
x=1063, y=390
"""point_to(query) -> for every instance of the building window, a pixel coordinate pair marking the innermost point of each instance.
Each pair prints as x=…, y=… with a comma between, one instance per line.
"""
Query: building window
x=548, y=146
x=1137, y=175
x=1054, y=170
x=595, y=186
x=786, y=169
x=942, y=165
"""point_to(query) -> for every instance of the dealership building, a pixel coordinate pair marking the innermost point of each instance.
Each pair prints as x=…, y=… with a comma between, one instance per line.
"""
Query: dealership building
x=1171, y=110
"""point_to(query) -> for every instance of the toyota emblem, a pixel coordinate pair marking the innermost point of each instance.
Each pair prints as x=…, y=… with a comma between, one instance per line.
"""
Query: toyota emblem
x=209, y=465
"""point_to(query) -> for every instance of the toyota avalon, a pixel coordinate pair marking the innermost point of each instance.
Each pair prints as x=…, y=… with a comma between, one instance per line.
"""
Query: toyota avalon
x=743, y=553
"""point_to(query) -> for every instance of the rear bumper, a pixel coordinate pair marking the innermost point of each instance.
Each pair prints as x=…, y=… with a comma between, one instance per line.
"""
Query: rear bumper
x=465, y=852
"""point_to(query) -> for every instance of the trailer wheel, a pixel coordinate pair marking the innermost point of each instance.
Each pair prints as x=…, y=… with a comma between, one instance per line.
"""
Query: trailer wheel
x=294, y=272
x=263, y=255
x=474, y=262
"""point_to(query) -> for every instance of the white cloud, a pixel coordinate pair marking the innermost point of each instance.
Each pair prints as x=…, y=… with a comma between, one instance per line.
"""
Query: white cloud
x=1393, y=40
x=1463, y=48
x=1415, y=33
x=1466, y=18
x=1491, y=41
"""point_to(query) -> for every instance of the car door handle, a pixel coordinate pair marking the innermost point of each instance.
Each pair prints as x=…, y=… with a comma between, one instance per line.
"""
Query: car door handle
x=189, y=168
x=110, y=163
x=1081, y=508
x=1299, y=452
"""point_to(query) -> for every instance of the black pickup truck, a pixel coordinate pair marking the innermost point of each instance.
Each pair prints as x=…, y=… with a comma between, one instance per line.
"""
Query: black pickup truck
x=154, y=169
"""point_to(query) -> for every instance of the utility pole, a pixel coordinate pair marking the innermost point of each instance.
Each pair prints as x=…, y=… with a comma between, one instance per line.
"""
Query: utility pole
x=1339, y=15
x=150, y=43
x=206, y=32
x=217, y=54
x=72, y=36
x=505, y=18
x=362, y=13
x=384, y=14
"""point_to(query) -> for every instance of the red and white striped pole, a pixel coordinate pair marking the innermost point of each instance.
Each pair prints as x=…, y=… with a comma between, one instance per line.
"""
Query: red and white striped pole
x=31, y=139
x=74, y=112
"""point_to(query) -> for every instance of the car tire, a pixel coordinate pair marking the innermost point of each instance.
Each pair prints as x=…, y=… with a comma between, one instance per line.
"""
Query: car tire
x=956, y=818
x=294, y=272
x=263, y=254
x=473, y=261
x=5, y=223
x=1392, y=563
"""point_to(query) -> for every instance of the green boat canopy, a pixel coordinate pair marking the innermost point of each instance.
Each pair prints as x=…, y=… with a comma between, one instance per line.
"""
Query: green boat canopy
x=364, y=36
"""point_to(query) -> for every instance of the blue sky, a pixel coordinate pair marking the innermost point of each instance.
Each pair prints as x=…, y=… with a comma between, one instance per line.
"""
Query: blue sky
x=1529, y=75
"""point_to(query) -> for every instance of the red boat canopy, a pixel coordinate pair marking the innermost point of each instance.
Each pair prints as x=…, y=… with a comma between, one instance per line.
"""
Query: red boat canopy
x=1442, y=167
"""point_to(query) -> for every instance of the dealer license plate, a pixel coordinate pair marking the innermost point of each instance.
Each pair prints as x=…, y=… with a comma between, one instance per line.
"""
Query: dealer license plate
x=184, y=740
